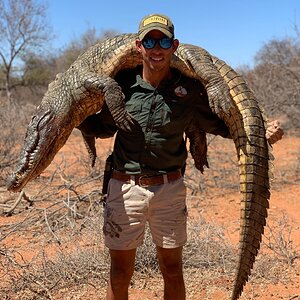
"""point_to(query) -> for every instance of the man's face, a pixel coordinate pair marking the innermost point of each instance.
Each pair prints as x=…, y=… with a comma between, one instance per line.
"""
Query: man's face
x=157, y=58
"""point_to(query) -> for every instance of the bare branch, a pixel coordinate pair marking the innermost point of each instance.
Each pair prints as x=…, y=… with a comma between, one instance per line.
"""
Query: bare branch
x=21, y=195
x=23, y=28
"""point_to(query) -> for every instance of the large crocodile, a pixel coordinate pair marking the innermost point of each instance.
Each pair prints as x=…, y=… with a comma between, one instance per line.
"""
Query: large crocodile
x=82, y=90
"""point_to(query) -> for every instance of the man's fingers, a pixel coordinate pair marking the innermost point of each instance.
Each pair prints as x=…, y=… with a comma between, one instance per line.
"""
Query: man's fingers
x=274, y=133
x=273, y=137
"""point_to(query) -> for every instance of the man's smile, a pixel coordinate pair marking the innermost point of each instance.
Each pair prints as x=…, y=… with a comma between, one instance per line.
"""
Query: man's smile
x=156, y=58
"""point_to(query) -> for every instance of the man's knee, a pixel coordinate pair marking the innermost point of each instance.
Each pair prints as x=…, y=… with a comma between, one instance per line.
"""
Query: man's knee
x=122, y=265
x=171, y=270
x=121, y=273
x=170, y=262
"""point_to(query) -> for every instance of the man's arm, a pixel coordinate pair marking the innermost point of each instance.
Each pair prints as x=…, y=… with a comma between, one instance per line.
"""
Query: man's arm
x=274, y=132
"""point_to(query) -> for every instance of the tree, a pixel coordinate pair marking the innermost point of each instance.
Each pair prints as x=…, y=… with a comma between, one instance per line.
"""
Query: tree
x=23, y=28
x=79, y=45
x=276, y=81
x=39, y=69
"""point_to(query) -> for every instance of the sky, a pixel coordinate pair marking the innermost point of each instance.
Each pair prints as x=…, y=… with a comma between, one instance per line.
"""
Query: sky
x=232, y=30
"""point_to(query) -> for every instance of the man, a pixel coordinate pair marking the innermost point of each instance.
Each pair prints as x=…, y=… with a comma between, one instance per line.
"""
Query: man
x=147, y=184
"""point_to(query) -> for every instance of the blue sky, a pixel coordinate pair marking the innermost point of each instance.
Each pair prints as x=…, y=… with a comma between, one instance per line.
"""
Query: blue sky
x=233, y=30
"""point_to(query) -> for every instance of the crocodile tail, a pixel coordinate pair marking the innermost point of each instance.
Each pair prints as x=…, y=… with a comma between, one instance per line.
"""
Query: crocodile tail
x=247, y=127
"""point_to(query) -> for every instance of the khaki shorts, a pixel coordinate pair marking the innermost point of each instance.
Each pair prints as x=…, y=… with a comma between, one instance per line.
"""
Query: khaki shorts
x=130, y=206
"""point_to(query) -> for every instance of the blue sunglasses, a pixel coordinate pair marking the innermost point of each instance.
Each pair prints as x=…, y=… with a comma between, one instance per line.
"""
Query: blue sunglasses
x=164, y=43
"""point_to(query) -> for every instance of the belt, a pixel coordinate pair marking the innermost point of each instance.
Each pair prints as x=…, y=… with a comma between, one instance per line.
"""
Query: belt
x=147, y=180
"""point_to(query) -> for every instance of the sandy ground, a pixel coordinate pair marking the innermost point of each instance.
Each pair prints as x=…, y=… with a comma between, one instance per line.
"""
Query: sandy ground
x=220, y=207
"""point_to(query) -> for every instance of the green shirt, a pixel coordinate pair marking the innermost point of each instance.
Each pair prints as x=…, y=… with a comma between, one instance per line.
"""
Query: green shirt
x=156, y=144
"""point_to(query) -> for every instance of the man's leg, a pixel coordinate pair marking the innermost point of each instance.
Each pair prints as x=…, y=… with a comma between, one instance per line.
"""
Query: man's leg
x=121, y=270
x=170, y=263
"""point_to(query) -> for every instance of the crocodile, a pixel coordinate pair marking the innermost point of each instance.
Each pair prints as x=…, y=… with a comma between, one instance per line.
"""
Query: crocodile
x=89, y=83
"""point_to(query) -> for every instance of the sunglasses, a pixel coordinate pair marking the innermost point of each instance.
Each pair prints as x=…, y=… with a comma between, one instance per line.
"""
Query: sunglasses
x=164, y=43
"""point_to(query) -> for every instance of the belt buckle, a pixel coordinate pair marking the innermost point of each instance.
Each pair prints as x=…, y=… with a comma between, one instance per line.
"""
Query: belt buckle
x=141, y=178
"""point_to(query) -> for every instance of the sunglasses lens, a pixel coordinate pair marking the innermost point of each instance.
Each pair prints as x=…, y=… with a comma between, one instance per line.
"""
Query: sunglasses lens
x=148, y=43
x=165, y=43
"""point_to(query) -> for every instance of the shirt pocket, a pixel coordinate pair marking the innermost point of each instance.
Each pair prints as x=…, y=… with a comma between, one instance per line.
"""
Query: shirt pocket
x=134, y=109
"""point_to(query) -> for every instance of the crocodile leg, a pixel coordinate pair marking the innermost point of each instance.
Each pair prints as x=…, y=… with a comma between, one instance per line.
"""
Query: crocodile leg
x=200, y=61
x=114, y=98
x=198, y=145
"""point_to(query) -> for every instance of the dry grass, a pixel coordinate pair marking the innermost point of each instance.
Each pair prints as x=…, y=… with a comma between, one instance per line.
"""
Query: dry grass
x=52, y=248
x=79, y=260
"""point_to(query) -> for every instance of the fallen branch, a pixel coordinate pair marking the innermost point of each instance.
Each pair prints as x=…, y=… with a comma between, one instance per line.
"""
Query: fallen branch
x=21, y=195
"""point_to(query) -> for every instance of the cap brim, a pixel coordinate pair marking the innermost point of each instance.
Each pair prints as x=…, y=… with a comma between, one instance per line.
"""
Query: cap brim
x=164, y=31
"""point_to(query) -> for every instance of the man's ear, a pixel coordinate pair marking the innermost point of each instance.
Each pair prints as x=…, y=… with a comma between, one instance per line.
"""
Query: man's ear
x=138, y=44
x=175, y=44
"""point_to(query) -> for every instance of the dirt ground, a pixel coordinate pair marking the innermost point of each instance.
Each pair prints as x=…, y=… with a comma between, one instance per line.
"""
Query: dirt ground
x=218, y=204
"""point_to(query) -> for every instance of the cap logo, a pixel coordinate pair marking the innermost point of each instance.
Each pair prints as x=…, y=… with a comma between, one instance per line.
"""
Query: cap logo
x=155, y=19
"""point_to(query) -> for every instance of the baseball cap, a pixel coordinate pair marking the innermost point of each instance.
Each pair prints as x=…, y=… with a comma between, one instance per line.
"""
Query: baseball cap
x=156, y=22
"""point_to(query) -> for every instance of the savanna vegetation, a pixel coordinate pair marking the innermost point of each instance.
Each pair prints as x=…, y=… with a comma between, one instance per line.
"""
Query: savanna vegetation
x=51, y=244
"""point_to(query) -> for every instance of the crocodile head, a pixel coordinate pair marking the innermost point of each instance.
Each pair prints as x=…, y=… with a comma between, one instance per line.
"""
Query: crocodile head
x=46, y=133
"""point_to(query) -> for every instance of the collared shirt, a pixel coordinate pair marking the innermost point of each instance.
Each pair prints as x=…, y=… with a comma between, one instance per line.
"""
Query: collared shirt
x=156, y=145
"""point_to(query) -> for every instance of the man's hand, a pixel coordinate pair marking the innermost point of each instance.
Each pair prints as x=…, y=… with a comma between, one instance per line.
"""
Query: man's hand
x=274, y=132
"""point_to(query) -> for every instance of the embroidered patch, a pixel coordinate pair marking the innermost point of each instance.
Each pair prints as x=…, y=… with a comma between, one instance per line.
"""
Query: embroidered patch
x=180, y=91
x=155, y=19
